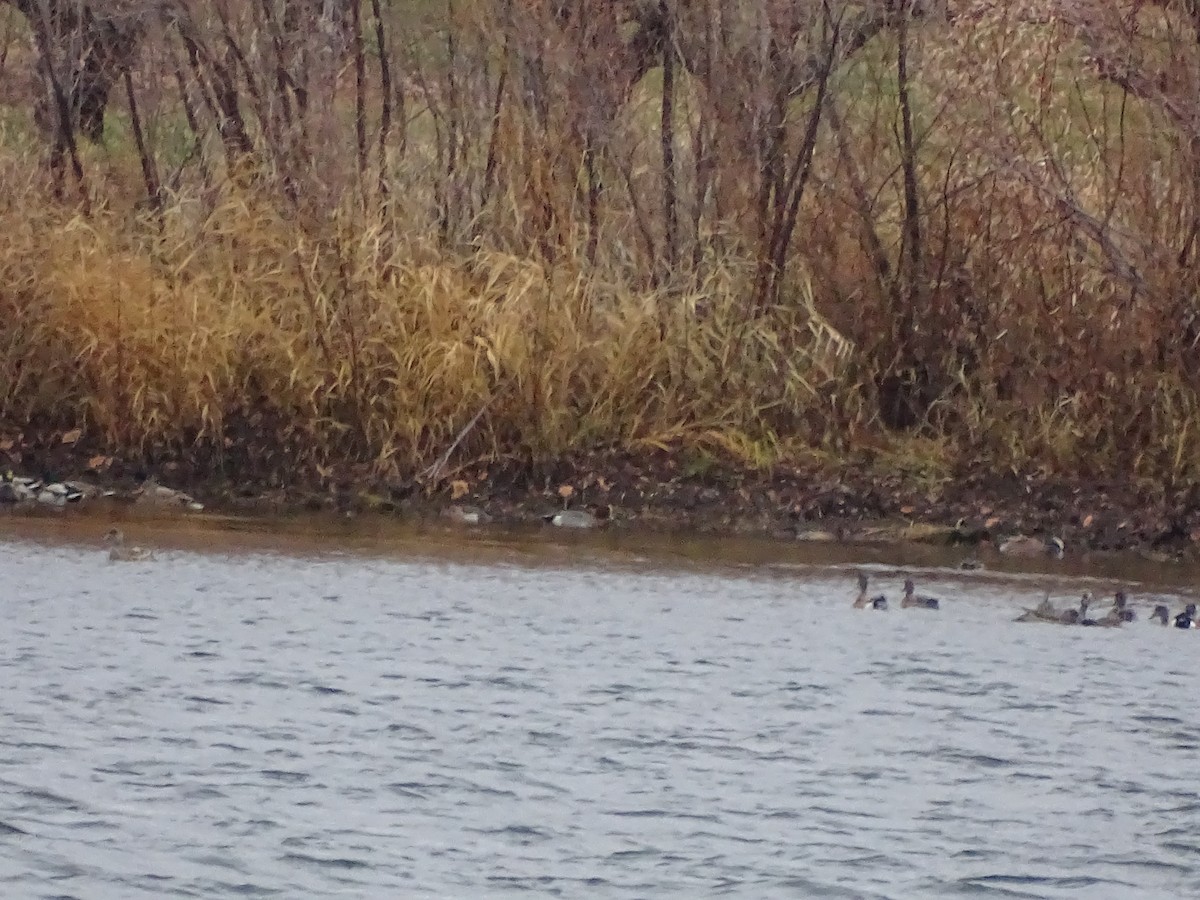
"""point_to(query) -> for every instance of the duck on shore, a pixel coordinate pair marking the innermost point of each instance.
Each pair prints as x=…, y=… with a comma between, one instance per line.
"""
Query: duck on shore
x=1187, y=618
x=911, y=600
x=119, y=551
x=464, y=514
x=45, y=490
x=580, y=518
x=58, y=493
x=17, y=490
x=1028, y=545
x=151, y=493
x=1161, y=614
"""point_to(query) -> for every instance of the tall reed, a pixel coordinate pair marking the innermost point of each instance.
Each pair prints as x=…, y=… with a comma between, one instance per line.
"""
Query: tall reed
x=759, y=229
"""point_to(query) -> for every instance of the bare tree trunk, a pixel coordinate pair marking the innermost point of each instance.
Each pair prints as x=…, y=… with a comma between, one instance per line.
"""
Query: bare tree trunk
x=90, y=52
x=667, y=135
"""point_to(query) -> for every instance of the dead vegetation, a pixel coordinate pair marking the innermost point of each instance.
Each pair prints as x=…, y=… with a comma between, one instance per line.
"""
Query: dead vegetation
x=938, y=236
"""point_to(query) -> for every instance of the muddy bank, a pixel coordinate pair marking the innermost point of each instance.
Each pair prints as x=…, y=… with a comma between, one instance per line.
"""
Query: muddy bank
x=663, y=493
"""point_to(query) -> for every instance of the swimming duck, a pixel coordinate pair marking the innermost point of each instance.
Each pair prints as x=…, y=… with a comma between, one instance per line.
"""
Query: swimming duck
x=1046, y=609
x=1077, y=616
x=1084, y=603
x=863, y=601
x=151, y=492
x=1046, y=612
x=1028, y=545
x=912, y=600
x=1187, y=618
x=580, y=518
x=1161, y=613
x=1120, y=611
x=114, y=539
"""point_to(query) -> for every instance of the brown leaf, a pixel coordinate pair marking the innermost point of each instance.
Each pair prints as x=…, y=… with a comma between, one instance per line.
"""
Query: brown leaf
x=1088, y=520
x=603, y=484
x=459, y=489
x=908, y=510
x=99, y=462
x=992, y=522
x=72, y=436
x=566, y=491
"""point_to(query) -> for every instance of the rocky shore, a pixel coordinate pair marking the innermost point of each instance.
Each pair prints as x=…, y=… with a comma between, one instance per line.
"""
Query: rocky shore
x=658, y=492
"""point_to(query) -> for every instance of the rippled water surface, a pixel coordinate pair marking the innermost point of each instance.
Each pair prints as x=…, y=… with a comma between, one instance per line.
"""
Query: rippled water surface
x=457, y=717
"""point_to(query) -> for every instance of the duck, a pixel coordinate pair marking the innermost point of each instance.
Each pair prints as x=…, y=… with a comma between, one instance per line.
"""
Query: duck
x=1187, y=618
x=466, y=515
x=14, y=489
x=1028, y=545
x=1043, y=612
x=1162, y=614
x=1120, y=612
x=58, y=493
x=20, y=489
x=1046, y=612
x=580, y=518
x=118, y=551
x=863, y=601
x=151, y=492
x=1084, y=603
x=912, y=600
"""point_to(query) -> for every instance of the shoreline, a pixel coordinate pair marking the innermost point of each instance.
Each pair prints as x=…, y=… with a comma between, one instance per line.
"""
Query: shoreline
x=654, y=493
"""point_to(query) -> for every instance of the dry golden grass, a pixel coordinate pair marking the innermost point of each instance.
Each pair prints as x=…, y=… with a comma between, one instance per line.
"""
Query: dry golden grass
x=1050, y=324
x=244, y=331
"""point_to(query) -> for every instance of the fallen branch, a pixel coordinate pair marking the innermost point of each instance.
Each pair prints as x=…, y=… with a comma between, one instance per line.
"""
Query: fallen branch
x=434, y=472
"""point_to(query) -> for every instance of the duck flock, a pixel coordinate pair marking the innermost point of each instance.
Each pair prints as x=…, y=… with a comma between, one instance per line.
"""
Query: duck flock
x=1045, y=612
x=26, y=491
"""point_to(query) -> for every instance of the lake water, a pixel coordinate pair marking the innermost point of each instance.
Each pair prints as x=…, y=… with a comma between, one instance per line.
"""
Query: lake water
x=338, y=711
